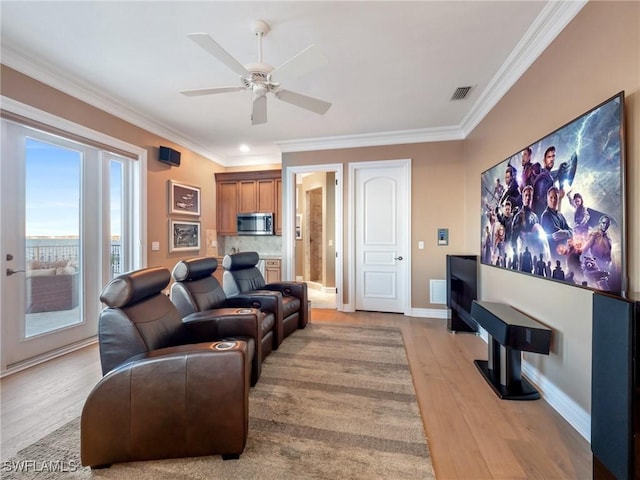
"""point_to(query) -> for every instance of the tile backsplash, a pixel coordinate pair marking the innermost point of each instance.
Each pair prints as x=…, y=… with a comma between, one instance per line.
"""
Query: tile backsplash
x=265, y=245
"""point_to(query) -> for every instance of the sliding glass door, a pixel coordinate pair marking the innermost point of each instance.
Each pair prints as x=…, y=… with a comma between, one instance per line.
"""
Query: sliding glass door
x=59, y=244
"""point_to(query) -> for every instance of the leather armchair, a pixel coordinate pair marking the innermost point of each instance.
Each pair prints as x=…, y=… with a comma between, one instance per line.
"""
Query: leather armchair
x=241, y=276
x=162, y=395
x=197, y=292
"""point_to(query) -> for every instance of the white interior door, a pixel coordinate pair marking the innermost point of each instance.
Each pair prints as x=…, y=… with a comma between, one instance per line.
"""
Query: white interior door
x=381, y=258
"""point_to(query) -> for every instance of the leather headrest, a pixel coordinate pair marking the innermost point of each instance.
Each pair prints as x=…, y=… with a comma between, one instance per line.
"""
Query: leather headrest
x=194, y=269
x=241, y=260
x=132, y=287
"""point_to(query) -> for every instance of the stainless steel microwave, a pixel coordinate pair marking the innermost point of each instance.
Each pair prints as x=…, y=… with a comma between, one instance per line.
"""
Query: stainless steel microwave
x=255, y=223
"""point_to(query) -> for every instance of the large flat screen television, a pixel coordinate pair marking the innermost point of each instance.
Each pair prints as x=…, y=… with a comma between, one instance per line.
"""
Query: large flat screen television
x=556, y=208
x=462, y=290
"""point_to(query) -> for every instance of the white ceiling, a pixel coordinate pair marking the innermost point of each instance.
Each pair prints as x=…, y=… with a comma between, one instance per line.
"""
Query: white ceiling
x=393, y=66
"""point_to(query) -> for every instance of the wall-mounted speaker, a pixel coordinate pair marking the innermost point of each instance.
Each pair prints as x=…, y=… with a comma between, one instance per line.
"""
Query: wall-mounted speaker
x=169, y=156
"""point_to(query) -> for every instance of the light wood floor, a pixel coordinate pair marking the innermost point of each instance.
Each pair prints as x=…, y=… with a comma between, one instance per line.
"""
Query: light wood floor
x=471, y=433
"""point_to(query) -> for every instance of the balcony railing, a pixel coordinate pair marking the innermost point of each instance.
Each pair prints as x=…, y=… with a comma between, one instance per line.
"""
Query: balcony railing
x=55, y=253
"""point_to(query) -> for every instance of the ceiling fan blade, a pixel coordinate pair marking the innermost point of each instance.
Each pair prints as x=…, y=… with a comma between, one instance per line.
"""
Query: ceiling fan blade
x=210, y=45
x=210, y=91
x=259, y=113
x=309, y=59
x=309, y=103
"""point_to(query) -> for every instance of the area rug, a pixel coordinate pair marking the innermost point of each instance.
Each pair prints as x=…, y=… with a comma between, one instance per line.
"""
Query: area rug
x=333, y=402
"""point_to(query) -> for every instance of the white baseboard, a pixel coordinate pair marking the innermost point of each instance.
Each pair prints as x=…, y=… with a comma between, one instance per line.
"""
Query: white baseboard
x=429, y=313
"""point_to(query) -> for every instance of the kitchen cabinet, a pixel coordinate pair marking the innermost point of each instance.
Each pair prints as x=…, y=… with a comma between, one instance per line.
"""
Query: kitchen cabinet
x=247, y=201
x=247, y=192
x=256, y=196
x=226, y=207
x=265, y=195
x=272, y=270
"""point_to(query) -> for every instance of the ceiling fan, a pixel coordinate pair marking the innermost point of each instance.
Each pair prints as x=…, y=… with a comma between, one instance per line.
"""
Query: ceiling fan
x=262, y=78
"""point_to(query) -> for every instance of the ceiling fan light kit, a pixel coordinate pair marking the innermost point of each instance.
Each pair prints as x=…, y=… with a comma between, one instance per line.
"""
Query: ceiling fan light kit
x=262, y=78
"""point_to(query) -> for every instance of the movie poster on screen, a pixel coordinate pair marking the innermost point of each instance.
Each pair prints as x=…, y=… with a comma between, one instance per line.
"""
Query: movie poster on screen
x=555, y=209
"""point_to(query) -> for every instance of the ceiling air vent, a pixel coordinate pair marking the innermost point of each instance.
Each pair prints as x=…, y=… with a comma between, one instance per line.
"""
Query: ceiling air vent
x=461, y=93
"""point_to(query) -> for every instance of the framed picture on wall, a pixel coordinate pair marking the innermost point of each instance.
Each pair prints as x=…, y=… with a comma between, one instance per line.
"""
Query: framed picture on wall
x=183, y=199
x=184, y=236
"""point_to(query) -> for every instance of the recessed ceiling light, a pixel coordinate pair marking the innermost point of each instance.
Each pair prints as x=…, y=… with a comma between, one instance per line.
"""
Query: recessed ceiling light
x=244, y=148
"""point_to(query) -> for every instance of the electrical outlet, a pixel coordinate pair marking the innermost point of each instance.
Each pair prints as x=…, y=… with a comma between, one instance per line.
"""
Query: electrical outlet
x=421, y=245
x=155, y=246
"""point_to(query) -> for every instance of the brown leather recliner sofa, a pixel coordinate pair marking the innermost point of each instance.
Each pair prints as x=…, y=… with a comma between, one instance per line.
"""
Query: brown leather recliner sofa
x=169, y=390
x=196, y=290
x=241, y=276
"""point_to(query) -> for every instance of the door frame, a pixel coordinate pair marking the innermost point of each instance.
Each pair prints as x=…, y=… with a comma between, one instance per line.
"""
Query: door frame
x=137, y=237
x=289, y=219
x=351, y=232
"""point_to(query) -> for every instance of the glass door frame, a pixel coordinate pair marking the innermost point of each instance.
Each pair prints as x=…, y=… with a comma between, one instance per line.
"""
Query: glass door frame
x=96, y=228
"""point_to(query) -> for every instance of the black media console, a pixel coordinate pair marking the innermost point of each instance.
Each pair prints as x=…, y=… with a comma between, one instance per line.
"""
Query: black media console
x=510, y=333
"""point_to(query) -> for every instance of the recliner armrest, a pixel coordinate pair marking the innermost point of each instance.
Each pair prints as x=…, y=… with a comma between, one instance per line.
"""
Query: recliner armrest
x=218, y=323
x=223, y=322
x=267, y=301
x=294, y=289
x=270, y=302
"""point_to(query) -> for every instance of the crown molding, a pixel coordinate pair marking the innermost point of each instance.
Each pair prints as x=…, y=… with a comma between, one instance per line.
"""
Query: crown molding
x=421, y=135
x=553, y=18
x=51, y=75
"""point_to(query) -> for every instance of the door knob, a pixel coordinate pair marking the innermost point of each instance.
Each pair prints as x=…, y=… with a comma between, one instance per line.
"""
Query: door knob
x=11, y=271
x=399, y=258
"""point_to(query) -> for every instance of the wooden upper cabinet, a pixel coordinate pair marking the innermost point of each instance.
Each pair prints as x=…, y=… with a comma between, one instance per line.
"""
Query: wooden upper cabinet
x=247, y=196
x=247, y=192
x=266, y=196
x=256, y=196
x=226, y=207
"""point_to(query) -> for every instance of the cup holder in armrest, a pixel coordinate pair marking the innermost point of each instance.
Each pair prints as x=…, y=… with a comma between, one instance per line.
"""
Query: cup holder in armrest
x=225, y=345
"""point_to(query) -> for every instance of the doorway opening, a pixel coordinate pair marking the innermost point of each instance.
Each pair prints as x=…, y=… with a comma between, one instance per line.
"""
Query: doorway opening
x=314, y=239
